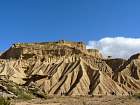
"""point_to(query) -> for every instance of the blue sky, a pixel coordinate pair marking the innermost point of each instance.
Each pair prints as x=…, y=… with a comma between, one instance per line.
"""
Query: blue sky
x=74, y=20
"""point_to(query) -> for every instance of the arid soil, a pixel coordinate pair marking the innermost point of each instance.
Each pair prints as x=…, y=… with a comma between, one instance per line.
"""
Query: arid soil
x=102, y=100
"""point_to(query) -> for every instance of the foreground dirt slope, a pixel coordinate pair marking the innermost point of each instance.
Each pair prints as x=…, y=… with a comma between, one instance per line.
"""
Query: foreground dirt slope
x=105, y=100
x=68, y=68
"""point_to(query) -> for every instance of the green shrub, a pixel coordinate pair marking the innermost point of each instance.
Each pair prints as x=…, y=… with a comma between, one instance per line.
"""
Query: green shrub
x=137, y=95
x=36, y=92
x=4, y=101
x=20, y=93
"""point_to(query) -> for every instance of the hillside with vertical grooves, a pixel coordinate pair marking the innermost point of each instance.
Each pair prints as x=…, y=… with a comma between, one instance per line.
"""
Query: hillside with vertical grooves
x=68, y=68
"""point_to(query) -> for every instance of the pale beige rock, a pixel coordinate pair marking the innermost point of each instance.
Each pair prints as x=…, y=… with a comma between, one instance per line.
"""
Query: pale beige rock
x=68, y=68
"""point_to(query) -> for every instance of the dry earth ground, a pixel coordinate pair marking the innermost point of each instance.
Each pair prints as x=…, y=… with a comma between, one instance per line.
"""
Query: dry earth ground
x=104, y=100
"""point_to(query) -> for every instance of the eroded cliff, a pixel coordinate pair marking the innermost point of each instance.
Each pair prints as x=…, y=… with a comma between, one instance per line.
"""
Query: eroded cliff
x=68, y=68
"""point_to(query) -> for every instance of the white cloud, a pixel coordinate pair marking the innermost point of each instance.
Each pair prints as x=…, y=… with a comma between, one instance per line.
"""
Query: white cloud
x=117, y=47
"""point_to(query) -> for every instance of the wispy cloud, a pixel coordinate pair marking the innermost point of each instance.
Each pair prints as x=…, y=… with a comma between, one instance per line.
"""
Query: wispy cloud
x=117, y=47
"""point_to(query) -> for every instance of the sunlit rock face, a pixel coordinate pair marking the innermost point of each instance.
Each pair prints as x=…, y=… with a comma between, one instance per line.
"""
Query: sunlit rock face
x=44, y=49
x=68, y=68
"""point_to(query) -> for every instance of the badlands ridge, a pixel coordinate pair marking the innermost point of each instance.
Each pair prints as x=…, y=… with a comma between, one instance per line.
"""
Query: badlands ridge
x=68, y=68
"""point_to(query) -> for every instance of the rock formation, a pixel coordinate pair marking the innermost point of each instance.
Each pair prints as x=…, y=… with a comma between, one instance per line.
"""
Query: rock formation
x=68, y=68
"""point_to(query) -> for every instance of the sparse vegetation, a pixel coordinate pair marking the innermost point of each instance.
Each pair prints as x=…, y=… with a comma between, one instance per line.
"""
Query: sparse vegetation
x=137, y=95
x=19, y=92
x=36, y=92
x=4, y=101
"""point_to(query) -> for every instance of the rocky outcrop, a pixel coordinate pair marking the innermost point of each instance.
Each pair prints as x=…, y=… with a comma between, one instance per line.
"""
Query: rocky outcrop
x=68, y=68
x=126, y=73
x=95, y=52
x=46, y=49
